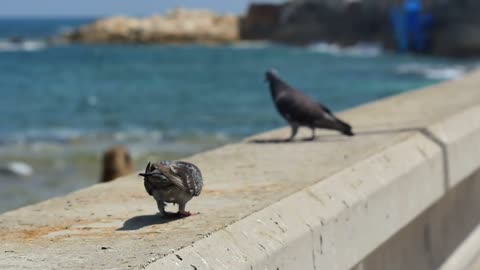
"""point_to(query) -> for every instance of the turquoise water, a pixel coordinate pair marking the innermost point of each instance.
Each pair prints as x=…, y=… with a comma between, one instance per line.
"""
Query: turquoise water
x=62, y=105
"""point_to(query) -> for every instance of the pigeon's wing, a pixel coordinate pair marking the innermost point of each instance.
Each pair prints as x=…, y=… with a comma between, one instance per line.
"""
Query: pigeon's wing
x=325, y=108
x=298, y=108
x=186, y=176
x=328, y=116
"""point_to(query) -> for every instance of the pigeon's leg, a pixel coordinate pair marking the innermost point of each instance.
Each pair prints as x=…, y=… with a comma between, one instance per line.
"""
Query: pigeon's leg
x=181, y=210
x=313, y=135
x=161, y=207
x=294, y=132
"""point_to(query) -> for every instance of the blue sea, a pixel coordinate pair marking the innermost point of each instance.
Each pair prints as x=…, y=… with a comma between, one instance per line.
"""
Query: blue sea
x=62, y=105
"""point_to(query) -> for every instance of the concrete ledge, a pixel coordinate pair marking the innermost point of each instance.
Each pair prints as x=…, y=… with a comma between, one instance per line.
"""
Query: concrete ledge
x=329, y=204
x=328, y=225
x=466, y=255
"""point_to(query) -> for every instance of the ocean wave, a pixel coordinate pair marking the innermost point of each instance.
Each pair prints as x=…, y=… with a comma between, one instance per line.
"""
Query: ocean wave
x=64, y=29
x=17, y=168
x=128, y=135
x=22, y=45
x=433, y=72
x=358, y=50
x=57, y=149
x=246, y=45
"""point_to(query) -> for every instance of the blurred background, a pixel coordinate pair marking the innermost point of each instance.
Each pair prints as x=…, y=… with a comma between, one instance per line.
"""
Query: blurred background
x=167, y=79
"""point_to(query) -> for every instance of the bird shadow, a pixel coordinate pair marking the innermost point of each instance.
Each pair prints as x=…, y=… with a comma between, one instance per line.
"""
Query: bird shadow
x=302, y=140
x=336, y=137
x=260, y=141
x=139, y=222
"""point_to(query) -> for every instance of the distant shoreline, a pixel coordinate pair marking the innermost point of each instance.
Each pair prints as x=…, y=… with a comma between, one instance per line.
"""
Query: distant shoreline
x=454, y=31
x=176, y=26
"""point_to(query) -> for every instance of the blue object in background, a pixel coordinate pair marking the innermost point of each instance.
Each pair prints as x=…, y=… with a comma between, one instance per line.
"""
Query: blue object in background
x=399, y=29
x=410, y=26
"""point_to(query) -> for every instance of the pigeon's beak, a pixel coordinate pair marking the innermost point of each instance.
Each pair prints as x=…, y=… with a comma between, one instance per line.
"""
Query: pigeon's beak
x=155, y=173
x=271, y=74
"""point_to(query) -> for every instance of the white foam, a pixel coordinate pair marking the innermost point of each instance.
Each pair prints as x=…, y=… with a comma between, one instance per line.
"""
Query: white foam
x=246, y=45
x=26, y=45
x=92, y=100
x=433, y=72
x=17, y=168
x=358, y=50
x=64, y=29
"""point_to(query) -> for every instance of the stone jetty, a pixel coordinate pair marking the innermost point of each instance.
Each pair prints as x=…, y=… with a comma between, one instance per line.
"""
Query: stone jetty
x=177, y=26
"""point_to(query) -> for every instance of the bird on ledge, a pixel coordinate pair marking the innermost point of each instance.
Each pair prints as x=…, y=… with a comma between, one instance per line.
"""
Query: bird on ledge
x=172, y=182
x=299, y=110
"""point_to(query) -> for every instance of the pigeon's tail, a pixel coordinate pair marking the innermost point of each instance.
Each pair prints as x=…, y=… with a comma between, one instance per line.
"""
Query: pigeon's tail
x=344, y=128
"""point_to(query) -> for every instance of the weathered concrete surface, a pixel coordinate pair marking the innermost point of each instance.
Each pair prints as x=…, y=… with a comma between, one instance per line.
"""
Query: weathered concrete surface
x=331, y=225
x=475, y=265
x=239, y=180
x=429, y=240
x=325, y=204
x=466, y=255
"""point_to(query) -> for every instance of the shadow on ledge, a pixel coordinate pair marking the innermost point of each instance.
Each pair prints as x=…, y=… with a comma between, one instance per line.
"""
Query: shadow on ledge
x=140, y=222
x=302, y=140
x=337, y=137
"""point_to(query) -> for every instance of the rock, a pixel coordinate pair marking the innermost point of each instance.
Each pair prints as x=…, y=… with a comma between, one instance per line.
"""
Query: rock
x=304, y=22
x=117, y=162
x=261, y=21
x=458, y=39
x=457, y=28
x=301, y=22
x=347, y=22
x=177, y=26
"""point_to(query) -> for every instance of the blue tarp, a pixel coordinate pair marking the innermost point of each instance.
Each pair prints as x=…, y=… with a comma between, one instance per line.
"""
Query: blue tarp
x=411, y=26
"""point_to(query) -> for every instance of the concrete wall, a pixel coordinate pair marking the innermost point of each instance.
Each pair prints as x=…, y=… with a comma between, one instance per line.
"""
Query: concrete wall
x=402, y=194
x=435, y=234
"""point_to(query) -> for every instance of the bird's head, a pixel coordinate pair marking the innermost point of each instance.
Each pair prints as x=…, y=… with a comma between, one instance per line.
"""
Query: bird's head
x=271, y=75
x=158, y=170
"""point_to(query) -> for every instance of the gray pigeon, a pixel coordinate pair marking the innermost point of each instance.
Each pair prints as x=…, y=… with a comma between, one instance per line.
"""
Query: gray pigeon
x=299, y=110
x=172, y=182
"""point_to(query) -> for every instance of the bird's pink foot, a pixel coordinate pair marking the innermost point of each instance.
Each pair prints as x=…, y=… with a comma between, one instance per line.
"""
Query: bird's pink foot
x=186, y=214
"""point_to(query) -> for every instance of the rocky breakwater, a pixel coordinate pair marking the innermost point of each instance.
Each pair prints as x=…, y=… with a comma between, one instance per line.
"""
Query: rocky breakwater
x=455, y=28
x=344, y=22
x=177, y=26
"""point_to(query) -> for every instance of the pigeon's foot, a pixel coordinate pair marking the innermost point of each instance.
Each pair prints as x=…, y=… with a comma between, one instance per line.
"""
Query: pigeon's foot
x=168, y=214
x=312, y=138
x=186, y=214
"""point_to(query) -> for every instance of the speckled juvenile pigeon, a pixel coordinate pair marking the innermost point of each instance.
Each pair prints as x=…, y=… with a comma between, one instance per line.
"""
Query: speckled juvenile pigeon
x=172, y=182
x=299, y=110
